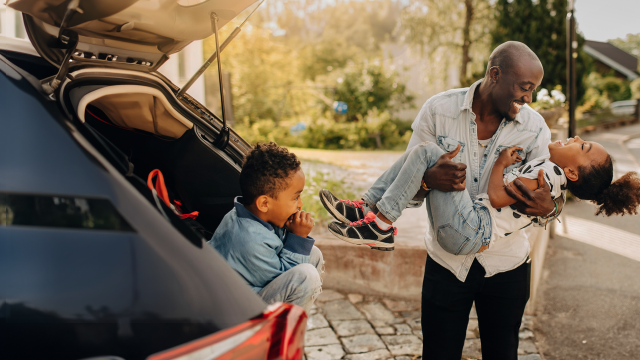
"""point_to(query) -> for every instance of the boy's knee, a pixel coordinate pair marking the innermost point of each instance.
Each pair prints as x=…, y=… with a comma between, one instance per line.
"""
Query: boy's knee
x=307, y=279
x=316, y=259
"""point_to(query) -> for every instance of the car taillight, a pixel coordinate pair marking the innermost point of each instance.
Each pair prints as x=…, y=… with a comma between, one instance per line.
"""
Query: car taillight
x=277, y=334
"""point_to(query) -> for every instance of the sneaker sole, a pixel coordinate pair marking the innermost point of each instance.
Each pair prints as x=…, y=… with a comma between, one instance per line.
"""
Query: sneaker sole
x=332, y=211
x=376, y=245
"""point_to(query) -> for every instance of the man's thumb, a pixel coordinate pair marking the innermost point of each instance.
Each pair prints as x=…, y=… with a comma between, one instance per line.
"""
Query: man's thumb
x=541, y=182
x=454, y=152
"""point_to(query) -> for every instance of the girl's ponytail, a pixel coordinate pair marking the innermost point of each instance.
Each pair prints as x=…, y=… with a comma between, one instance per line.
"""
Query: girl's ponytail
x=621, y=197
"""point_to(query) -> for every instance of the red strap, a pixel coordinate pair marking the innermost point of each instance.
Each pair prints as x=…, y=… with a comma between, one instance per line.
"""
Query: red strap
x=163, y=194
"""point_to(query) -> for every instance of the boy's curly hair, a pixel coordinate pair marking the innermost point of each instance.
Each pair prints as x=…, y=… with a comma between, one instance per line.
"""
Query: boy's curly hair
x=617, y=198
x=266, y=171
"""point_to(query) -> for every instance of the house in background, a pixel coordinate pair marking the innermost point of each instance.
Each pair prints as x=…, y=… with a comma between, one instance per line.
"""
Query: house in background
x=608, y=58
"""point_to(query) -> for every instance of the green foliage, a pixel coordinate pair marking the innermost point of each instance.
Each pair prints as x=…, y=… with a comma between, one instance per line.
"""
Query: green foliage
x=375, y=131
x=630, y=44
x=602, y=91
x=437, y=28
x=367, y=88
x=635, y=88
x=311, y=201
x=542, y=26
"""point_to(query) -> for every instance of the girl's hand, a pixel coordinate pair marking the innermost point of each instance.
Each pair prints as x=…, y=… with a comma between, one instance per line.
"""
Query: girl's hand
x=509, y=156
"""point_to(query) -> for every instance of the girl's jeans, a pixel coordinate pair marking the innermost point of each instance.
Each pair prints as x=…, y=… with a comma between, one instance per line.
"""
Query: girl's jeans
x=460, y=225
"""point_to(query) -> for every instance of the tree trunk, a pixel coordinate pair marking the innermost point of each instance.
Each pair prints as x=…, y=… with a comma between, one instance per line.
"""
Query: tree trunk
x=466, y=39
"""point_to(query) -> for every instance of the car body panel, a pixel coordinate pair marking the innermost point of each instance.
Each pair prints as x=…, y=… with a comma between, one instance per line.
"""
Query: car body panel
x=73, y=293
x=137, y=32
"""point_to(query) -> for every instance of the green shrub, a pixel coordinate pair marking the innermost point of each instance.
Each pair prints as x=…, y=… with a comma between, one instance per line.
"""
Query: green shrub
x=375, y=131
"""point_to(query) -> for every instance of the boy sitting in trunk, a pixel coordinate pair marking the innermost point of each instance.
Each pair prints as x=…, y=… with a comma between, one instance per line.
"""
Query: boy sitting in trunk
x=265, y=237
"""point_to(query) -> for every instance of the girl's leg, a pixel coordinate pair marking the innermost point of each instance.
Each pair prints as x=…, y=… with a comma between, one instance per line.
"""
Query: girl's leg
x=461, y=226
x=395, y=188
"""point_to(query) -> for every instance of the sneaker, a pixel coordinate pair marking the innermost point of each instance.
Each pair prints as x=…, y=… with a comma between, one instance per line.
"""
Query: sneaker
x=365, y=232
x=346, y=211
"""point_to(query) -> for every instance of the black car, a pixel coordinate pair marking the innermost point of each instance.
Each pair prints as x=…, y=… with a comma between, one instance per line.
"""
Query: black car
x=97, y=258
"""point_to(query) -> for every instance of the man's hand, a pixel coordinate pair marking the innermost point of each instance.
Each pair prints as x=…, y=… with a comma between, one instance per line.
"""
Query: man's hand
x=446, y=175
x=509, y=157
x=300, y=223
x=535, y=203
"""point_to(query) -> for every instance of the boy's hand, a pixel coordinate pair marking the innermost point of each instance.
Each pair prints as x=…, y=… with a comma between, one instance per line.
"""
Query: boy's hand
x=300, y=223
x=509, y=156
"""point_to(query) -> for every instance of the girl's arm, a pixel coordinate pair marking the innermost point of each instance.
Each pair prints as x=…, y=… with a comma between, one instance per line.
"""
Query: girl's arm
x=497, y=194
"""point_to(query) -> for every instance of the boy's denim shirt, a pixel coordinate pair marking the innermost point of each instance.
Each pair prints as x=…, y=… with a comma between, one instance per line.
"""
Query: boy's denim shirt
x=258, y=251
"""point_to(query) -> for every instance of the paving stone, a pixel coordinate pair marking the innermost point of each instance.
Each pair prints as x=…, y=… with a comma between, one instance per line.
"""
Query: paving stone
x=529, y=357
x=401, y=305
x=403, y=344
x=403, y=329
x=386, y=330
x=527, y=322
x=472, y=348
x=411, y=314
x=473, y=325
x=316, y=321
x=329, y=295
x=341, y=310
x=324, y=336
x=418, y=333
x=526, y=347
x=403, y=358
x=374, y=355
x=471, y=335
x=362, y=343
x=352, y=327
x=329, y=352
x=525, y=334
x=377, y=314
x=473, y=314
x=355, y=298
x=415, y=324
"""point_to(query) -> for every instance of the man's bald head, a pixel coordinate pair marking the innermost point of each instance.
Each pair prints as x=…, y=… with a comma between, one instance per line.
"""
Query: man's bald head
x=509, y=54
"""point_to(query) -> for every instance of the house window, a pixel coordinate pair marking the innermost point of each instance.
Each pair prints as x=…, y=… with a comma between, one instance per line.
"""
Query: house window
x=20, y=31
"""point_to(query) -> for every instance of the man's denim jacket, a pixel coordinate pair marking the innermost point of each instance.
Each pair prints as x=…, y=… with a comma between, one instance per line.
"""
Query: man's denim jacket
x=258, y=251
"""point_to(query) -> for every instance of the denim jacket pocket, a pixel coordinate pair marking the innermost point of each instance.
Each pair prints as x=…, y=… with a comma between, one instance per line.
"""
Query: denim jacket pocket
x=449, y=144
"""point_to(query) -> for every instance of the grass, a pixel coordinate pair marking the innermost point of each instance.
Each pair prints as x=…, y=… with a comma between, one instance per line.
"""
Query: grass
x=311, y=200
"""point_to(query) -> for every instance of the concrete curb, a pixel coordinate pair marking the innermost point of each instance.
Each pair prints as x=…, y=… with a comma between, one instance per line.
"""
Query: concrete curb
x=353, y=268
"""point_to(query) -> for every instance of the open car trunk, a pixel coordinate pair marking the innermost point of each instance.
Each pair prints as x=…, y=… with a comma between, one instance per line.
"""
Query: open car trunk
x=138, y=123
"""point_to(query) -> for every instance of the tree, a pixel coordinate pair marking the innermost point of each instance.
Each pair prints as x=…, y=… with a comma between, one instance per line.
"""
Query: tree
x=630, y=44
x=365, y=88
x=542, y=26
x=458, y=25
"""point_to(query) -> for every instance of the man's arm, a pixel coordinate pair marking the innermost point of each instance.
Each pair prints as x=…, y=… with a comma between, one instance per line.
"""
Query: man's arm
x=445, y=175
x=497, y=193
x=536, y=202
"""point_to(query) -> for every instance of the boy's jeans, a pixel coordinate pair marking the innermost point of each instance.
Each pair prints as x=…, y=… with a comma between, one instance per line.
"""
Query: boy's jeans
x=299, y=285
x=461, y=226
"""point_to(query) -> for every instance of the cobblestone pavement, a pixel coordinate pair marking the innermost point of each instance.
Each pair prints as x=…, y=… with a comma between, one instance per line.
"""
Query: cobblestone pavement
x=362, y=327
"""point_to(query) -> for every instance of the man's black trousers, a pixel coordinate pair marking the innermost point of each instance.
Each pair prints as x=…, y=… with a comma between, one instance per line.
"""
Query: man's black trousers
x=446, y=303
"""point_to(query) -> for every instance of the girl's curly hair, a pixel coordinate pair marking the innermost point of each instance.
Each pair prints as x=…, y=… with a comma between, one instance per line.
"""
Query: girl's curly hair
x=617, y=198
x=266, y=171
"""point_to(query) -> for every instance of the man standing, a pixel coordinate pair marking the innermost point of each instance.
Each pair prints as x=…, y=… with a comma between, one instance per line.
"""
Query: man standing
x=484, y=119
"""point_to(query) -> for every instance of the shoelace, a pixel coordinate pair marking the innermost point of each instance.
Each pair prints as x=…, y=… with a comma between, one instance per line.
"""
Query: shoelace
x=369, y=218
x=356, y=203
